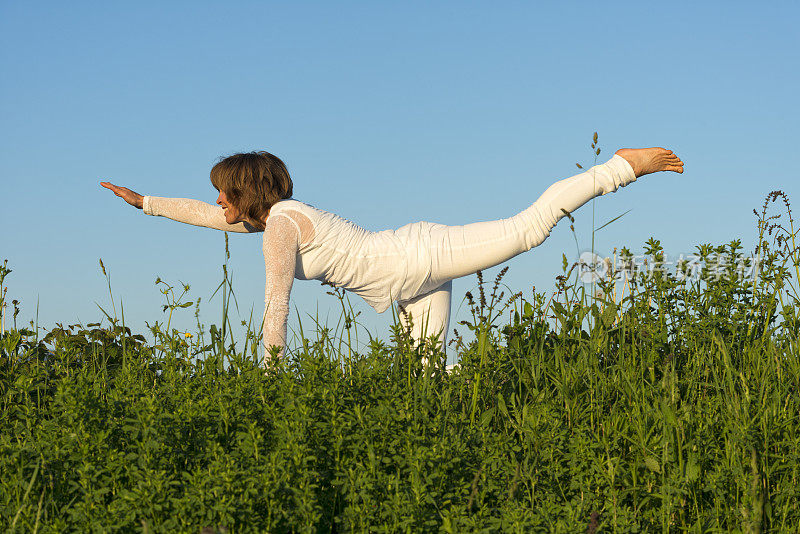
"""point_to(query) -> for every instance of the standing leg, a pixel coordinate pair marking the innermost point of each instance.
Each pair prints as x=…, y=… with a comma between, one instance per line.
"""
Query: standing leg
x=463, y=250
x=429, y=313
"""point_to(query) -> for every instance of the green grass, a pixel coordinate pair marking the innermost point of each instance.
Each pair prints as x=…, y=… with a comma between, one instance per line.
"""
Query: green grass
x=666, y=405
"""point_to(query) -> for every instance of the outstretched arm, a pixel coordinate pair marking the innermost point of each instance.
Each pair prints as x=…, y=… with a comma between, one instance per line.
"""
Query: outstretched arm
x=196, y=212
x=183, y=210
x=281, y=244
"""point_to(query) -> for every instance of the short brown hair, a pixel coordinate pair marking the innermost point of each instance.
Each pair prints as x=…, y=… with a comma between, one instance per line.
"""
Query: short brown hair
x=253, y=182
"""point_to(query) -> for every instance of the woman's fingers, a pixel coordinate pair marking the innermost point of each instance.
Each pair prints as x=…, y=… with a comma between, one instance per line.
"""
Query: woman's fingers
x=131, y=197
x=110, y=187
x=116, y=189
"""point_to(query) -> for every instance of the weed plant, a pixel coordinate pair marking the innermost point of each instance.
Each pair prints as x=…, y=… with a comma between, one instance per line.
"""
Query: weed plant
x=671, y=405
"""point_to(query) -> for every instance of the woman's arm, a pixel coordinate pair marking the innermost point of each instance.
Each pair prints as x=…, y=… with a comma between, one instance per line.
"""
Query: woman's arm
x=281, y=244
x=180, y=209
x=196, y=212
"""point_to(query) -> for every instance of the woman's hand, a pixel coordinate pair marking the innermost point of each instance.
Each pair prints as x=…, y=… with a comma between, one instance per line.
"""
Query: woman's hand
x=134, y=199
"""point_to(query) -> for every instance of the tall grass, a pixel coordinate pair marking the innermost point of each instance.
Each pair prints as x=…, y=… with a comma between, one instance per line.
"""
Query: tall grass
x=670, y=404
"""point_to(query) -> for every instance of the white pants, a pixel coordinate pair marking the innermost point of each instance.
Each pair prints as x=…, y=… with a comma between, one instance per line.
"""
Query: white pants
x=457, y=251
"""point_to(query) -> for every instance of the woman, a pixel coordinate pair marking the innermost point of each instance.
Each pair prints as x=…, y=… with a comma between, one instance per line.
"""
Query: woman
x=413, y=265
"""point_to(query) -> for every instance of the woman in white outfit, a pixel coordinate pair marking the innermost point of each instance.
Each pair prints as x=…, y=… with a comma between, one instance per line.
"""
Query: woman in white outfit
x=413, y=265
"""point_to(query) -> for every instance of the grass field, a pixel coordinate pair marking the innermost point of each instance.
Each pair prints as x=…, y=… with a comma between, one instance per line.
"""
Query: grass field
x=666, y=403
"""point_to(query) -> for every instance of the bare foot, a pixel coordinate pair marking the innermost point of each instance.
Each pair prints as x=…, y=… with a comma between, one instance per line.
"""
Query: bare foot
x=650, y=160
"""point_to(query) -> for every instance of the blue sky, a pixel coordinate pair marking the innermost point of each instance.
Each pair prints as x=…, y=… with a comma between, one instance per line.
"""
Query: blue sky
x=385, y=113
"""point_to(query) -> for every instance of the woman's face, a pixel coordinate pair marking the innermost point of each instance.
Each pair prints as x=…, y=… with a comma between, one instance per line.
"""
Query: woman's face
x=232, y=215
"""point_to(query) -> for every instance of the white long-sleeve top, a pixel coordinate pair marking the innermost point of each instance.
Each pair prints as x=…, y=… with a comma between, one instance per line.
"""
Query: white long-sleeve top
x=301, y=241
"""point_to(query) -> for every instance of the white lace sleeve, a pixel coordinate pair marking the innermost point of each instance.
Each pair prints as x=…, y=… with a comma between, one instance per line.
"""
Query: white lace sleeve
x=194, y=212
x=281, y=243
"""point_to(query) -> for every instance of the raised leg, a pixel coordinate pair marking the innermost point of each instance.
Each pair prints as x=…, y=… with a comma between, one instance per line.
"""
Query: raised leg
x=463, y=250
